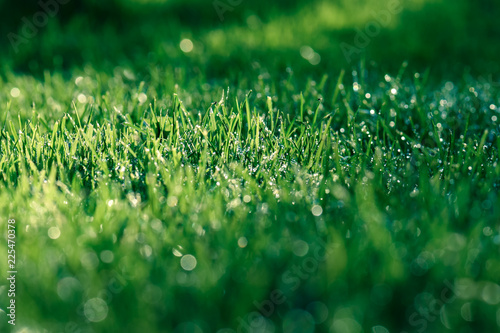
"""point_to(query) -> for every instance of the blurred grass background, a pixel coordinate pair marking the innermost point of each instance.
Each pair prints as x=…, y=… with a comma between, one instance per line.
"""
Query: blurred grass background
x=446, y=35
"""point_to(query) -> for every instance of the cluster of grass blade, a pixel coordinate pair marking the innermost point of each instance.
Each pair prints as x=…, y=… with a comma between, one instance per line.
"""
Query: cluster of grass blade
x=398, y=179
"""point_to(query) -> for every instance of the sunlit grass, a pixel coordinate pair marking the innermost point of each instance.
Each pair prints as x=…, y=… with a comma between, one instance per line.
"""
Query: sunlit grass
x=171, y=172
x=129, y=200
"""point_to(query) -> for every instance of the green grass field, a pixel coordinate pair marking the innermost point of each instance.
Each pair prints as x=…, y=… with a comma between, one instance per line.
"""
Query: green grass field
x=163, y=170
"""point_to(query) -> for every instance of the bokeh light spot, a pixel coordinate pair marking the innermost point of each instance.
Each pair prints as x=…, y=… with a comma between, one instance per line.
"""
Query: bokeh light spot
x=317, y=210
x=95, y=310
x=142, y=98
x=107, y=256
x=188, y=262
x=300, y=248
x=242, y=242
x=298, y=321
x=15, y=92
x=319, y=311
x=54, y=233
x=186, y=45
x=82, y=98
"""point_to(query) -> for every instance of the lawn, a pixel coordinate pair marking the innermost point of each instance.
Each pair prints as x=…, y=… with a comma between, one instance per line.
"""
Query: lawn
x=234, y=166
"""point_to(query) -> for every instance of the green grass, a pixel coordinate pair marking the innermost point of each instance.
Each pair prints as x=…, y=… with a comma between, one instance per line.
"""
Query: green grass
x=108, y=196
x=156, y=190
